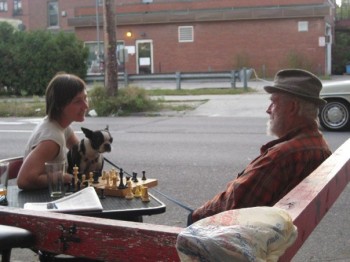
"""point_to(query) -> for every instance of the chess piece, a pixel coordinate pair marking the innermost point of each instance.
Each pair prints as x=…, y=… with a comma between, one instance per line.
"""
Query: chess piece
x=134, y=177
x=144, y=194
x=75, y=176
x=114, y=183
x=137, y=191
x=144, y=175
x=96, y=176
x=102, y=195
x=129, y=194
x=121, y=184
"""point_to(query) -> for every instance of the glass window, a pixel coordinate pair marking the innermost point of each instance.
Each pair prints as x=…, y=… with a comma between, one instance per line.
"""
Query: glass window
x=96, y=57
x=3, y=6
x=17, y=7
x=53, y=13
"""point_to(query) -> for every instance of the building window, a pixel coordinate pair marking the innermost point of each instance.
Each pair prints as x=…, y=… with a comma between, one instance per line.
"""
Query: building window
x=17, y=7
x=303, y=26
x=53, y=14
x=3, y=6
x=185, y=33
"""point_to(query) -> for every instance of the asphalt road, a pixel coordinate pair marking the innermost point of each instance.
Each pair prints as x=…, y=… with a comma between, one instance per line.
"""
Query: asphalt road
x=193, y=155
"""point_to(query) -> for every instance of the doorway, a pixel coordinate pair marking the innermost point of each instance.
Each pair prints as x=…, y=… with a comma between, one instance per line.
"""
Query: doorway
x=144, y=55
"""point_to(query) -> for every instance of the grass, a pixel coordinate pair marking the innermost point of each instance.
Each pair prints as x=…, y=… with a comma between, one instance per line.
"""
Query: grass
x=35, y=106
x=19, y=107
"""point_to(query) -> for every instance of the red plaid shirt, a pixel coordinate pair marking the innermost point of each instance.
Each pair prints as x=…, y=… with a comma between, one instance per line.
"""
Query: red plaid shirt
x=283, y=163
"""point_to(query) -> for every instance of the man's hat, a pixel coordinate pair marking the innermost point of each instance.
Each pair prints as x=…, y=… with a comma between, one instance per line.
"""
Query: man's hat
x=298, y=82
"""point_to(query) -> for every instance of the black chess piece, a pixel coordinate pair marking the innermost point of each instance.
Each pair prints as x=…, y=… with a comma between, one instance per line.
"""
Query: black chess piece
x=121, y=183
x=96, y=177
x=144, y=175
x=102, y=195
x=134, y=177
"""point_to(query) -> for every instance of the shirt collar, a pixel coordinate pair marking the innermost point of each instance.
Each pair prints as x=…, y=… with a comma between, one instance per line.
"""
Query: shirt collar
x=302, y=130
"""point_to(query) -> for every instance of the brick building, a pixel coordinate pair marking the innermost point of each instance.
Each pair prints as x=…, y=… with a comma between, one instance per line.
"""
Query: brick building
x=165, y=36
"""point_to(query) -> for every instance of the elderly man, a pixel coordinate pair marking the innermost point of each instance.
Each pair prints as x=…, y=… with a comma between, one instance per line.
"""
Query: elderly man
x=298, y=150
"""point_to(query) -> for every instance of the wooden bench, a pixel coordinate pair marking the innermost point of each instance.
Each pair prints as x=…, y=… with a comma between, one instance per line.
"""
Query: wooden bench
x=111, y=240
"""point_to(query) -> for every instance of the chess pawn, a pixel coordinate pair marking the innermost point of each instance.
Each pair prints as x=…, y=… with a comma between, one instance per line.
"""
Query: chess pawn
x=144, y=176
x=104, y=174
x=114, y=179
x=144, y=194
x=91, y=177
x=75, y=175
x=137, y=192
x=129, y=193
x=107, y=179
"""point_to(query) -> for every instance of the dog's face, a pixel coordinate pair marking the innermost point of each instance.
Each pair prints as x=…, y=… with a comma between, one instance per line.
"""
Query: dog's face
x=100, y=140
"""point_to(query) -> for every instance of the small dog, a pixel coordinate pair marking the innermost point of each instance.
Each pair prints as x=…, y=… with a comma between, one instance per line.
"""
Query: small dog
x=88, y=154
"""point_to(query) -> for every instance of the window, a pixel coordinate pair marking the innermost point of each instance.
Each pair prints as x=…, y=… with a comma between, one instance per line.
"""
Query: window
x=17, y=7
x=185, y=33
x=3, y=6
x=303, y=26
x=53, y=14
x=96, y=57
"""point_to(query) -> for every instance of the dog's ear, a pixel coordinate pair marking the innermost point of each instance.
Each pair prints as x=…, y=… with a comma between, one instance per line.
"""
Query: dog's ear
x=87, y=132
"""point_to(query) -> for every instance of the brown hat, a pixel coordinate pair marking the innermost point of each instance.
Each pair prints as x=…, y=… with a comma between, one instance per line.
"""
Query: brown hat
x=298, y=82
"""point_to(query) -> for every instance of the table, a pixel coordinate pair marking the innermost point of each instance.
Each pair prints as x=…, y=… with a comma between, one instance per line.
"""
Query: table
x=113, y=207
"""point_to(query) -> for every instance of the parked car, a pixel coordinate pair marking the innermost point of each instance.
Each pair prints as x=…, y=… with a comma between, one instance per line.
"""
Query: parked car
x=335, y=115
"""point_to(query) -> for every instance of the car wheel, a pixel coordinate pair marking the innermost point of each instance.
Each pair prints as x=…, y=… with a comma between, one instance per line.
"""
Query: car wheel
x=335, y=115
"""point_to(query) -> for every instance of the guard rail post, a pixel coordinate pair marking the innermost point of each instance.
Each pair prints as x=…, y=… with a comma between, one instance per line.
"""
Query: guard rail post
x=178, y=80
x=245, y=80
x=126, y=78
x=233, y=79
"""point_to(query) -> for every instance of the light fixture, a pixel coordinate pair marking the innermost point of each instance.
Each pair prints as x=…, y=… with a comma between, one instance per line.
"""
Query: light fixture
x=128, y=34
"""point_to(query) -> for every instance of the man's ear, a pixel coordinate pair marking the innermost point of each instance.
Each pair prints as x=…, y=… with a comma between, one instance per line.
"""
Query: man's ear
x=294, y=107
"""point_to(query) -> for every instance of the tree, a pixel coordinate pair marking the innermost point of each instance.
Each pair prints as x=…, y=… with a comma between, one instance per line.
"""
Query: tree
x=111, y=66
x=28, y=60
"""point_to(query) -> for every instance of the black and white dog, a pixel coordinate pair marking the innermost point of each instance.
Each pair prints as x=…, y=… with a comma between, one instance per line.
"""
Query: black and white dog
x=88, y=154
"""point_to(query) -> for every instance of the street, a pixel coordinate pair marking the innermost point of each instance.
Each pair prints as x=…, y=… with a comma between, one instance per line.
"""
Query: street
x=193, y=155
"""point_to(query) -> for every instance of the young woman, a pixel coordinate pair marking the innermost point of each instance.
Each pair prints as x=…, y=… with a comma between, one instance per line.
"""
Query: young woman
x=66, y=102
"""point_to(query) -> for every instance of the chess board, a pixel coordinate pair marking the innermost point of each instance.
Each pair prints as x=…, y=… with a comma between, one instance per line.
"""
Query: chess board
x=114, y=182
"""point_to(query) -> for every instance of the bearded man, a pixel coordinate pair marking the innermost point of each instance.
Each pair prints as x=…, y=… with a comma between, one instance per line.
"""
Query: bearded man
x=284, y=162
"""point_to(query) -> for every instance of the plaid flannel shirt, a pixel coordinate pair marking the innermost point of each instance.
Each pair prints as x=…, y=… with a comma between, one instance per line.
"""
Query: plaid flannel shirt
x=282, y=164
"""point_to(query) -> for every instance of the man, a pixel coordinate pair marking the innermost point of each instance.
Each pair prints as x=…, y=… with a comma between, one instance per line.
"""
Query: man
x=298, y=150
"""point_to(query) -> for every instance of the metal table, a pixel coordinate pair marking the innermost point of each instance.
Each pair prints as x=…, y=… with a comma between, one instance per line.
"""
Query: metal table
x=113, y=207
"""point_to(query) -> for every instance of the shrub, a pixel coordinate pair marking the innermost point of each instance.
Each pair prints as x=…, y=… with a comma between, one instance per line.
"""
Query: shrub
x=30, y=59
x=130, y=99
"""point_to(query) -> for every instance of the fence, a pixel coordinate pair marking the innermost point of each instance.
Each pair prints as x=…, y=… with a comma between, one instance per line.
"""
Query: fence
x=178, y=78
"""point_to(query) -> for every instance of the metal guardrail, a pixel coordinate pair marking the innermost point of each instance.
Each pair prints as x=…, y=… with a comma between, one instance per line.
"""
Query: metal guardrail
x=233, y=76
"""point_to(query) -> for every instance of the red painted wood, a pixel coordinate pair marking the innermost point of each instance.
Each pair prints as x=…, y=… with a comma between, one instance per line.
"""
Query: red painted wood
x=308, y=202
x=104, y=239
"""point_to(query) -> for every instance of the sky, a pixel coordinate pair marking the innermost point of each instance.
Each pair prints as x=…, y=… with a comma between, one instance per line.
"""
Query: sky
x=338, y=2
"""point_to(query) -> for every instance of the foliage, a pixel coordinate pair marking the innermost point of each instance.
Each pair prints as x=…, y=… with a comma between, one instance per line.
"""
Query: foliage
x=241, y=60
x=129, y=100
x=297, y=60
x=340, y=52
x=28, y=60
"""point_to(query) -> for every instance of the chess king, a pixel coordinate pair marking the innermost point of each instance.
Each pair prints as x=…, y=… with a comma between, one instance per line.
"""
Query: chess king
x=88, y=154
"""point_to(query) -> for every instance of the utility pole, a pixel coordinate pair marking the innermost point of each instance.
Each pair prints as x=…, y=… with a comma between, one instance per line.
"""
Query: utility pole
x=110, y=44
